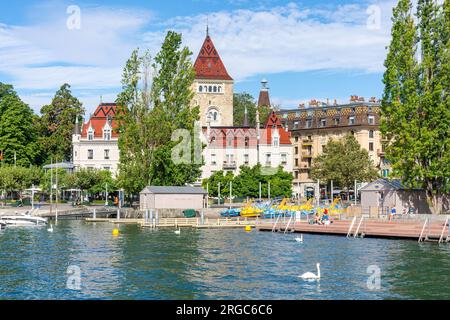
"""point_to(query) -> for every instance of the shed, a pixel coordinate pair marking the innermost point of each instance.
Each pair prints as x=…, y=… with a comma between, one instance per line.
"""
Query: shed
x=157, y=197
x=386, y=194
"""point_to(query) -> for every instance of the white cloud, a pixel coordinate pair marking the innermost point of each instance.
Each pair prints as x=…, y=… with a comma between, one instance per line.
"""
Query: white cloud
x=291, y=39
x=44, y=55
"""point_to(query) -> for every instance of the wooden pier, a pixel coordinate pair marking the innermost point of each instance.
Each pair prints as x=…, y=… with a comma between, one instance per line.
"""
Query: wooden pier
x=425, y=230
x=208, y=223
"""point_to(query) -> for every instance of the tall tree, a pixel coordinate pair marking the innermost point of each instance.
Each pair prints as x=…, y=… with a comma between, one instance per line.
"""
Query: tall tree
x=172, y=97
x=17, y=132
x=415, y=114
x=57, y=124
x=344, y=161
x=155, y=102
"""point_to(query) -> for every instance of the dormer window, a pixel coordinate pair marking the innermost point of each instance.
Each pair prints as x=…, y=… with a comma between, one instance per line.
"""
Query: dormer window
x=276, y=142
x=90, y=134
x=107, y=133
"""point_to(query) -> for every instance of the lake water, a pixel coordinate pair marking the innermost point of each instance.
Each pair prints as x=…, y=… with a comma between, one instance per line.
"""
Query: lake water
x=213, y=264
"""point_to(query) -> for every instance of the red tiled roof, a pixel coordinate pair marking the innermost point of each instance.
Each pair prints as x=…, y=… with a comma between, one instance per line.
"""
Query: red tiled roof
x=273, y=122
x=209, y=65
x=98, y=120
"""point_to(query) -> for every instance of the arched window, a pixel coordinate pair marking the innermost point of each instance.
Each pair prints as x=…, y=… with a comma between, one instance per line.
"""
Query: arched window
x=215, y=89
x=219, y=89
x=200, y=89
x=206, y=88
x=247, y=142
x=213, y=115
x=210, y=89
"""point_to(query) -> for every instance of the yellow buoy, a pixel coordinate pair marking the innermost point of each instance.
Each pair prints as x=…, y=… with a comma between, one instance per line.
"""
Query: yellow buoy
x=115, y=232
x=248, y=228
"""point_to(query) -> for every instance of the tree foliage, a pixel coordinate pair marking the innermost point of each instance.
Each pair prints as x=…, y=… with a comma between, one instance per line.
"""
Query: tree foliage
x=19, y=178
x=57, y=125
x=155, y=102
x=344, y=161
x=416, y=99
x=246, y=184
x=242, y=101
x=17, y=131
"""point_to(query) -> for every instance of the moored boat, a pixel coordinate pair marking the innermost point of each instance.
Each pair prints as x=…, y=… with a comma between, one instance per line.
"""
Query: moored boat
x=230, y=213
x=22, y=220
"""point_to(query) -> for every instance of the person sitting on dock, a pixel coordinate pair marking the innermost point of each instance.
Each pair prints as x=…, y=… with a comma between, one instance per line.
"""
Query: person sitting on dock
x=325, y=217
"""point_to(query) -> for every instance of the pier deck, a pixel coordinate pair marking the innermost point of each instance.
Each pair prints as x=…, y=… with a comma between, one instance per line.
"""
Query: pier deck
x=208, y=223
x=368, y=228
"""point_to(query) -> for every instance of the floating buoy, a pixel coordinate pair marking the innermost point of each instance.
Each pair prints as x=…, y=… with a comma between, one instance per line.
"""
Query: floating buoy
x=115, y=232
x=248, y=228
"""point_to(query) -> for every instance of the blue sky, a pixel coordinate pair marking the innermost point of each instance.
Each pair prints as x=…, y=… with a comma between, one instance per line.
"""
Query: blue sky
x=306, y=49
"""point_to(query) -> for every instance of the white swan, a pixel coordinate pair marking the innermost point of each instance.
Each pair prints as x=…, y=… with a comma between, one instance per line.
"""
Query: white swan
x=178, y=231
x=299, y=239
x=50, y=229
x=310, y=275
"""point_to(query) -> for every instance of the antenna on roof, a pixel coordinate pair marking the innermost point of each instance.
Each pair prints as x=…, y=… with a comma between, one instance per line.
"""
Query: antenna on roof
x=207, y=26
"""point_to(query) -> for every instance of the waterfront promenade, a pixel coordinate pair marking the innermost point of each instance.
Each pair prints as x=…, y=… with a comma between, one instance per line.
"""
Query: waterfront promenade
x=425, y=230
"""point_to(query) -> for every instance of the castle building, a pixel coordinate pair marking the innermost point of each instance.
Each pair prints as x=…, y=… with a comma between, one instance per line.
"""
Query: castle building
x=230, y=147
x=95, y=143
x=312, y=127
x=213, y=87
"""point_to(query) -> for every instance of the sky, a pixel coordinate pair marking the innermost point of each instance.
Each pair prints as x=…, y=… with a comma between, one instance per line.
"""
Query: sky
x=312, y=49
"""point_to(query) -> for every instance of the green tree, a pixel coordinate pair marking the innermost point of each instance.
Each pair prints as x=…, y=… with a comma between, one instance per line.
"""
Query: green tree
x=57, y=124
x=17, y=132
x=150, y=115
x=104, y=177
x=244, y=100
x=213, y=184
x=344, y=161
x=246, y=184
x=19, y=178
x=415, y=106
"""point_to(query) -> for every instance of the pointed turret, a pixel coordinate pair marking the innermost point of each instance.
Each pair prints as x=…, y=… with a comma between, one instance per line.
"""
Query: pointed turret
x=209, y=65
x=264, y=99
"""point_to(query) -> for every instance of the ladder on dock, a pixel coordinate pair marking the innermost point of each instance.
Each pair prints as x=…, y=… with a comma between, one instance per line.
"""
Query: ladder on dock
x=351, y=227
x=276, y=222
x=441, y=238
x=359, y=227
x=422, y=237
x=289, y=223
x=356, y=233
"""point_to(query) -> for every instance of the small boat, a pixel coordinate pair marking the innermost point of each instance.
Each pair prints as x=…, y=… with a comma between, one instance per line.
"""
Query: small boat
x=2, y=225
x=230, y=213
x=23, y=220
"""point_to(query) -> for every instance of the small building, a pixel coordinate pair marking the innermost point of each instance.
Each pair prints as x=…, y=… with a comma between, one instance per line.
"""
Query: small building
x=155, y=197
x=386, y=194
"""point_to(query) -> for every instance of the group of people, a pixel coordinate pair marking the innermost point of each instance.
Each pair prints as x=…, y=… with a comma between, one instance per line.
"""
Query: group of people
x=323, y=219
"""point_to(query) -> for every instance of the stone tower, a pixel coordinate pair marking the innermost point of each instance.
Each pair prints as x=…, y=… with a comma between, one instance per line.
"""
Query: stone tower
x=213, y=87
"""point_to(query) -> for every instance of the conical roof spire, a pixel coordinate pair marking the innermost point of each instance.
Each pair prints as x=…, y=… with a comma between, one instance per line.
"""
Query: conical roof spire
x=209, y=65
